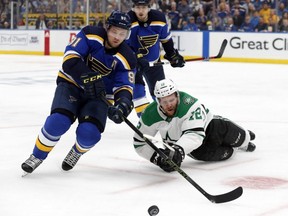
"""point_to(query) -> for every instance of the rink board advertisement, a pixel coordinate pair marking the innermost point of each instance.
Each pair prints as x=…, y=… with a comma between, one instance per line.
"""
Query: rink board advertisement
x=254, y=47
x=189, y=45
x=241, y=47
x=21, y=42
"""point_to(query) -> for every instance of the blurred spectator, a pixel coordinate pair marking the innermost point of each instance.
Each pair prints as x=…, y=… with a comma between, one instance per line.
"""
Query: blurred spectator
x=77, y=25
x=174, y=17
x=189, y=25
x=62, y=26
x=6, y=25
x=154, y=5
x=52, y=6
x=229, y=26
x=201, y=20
x=284, y=26
x=255, y=19
x=227, y=6
x=249, y=7
x=262, y=26
x=164, y=7
x=21, y=21
x=265, y=12
x=125, y=5
x=217, y=24
x=4, y=21
x=239, y=7
x=51, y=24
x=273, y=18
x=207, y=6
x=237, y=19
x=222, y=12
x=247, y=25
x=64, y=6
x=271, y=3
x=196, y=6
x=98, y=21
x=281, y=9
x=41, y=22
x=184, y=9
x=271, y=26
x=257, y=4
x=284, y=16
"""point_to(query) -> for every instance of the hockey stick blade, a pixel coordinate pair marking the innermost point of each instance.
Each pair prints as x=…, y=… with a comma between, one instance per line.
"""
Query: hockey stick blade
x=227, y=197
x=222, y=198
x=221, y=51
x=219, y=55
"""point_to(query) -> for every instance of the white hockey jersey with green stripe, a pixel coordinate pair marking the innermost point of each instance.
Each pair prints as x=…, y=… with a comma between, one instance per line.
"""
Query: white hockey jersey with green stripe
x=186, y=128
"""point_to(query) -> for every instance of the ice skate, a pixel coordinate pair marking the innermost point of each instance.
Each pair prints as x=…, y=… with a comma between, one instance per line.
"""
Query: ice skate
x=31, y=164
x=252, y=135
x=251, y=146
x=70, y=160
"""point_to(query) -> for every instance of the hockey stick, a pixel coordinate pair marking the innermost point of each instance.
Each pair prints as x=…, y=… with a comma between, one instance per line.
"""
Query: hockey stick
x=222, y=198
x=219, y=55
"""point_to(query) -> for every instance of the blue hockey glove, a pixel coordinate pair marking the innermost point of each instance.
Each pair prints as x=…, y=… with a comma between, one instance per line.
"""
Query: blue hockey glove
x=94, y=86
x=176, y=156
x=122, y=107
x=175, y=59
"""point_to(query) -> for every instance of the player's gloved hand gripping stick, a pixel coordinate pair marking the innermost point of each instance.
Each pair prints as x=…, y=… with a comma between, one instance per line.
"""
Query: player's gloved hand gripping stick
x=219, y=55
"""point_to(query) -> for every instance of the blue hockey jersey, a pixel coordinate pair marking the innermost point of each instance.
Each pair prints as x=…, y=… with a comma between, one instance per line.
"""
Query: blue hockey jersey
x=87, y=52
x=146, y=37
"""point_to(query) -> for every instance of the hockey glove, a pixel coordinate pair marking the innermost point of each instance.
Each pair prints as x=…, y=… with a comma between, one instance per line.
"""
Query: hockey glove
x=175, y=59
x=122, y=107
x=176, y=156
x=142, y=65
x=94, y=86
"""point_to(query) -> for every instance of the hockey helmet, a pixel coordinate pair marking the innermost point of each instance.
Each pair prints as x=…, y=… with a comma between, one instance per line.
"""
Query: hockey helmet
x=141, y=2
x=164, y=88
x=119, y=19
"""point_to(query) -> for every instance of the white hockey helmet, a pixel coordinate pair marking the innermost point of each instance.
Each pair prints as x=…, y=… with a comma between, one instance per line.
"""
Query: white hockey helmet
x=164, y=88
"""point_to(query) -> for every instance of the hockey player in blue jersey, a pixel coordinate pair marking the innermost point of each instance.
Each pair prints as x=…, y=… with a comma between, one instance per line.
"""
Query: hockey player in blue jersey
x=96, y=64
x=148, y=31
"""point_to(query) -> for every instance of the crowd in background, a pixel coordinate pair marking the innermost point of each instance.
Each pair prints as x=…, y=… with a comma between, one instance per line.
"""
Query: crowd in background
x=186, y=15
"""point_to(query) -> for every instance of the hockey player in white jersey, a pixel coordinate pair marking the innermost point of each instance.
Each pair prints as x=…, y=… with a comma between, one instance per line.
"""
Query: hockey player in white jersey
x=189, y=128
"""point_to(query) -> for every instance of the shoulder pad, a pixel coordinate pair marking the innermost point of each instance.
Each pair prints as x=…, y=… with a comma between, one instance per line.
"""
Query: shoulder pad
x=95, y=31
x=155, y=15
x=128, y=54
x=150, y=115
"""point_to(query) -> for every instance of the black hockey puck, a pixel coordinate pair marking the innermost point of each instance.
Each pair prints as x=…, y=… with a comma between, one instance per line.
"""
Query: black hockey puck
x=153, y=210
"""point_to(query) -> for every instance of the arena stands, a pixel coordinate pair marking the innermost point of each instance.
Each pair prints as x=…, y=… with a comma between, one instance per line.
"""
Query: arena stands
x=217, y=15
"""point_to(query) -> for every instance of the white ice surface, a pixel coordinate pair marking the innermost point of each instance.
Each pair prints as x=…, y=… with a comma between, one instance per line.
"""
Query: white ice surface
x=112, y=180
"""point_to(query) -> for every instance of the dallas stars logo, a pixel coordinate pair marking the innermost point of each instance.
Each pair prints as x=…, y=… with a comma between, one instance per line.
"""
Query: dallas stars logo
x=188, y=100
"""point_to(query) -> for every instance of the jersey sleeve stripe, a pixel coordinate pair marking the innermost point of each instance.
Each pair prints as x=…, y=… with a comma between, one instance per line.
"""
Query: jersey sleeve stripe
x=123, y=60
x=69, y=56
x=95, y=38
x=134, y=24
x=127, y=88
x=65, y=76
x=165, y=40
x=157, y=23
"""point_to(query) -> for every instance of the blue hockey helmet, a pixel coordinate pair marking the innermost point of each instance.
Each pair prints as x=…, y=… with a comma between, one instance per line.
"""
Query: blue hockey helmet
x=119, y=19
x=141, y=2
